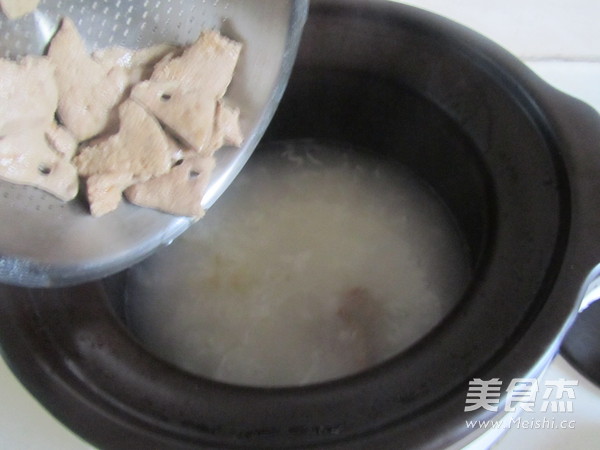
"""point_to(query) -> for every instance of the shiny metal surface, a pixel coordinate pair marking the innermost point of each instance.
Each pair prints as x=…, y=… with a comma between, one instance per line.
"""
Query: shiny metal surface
x=44, y=242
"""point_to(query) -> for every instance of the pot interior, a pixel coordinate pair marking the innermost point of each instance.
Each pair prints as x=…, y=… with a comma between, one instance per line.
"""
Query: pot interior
x=458, y=128
x=316, y=265
x=345, y=241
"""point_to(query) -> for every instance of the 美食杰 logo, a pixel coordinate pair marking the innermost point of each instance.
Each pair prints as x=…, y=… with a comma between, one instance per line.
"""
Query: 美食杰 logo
x=521, y=394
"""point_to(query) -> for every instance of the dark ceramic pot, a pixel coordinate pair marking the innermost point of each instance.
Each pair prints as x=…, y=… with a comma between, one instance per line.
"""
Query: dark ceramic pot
x=515, y=161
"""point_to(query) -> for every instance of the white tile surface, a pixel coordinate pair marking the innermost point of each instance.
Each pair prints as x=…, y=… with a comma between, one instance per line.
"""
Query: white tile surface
x=579, y=79
x=539, y=31
x=25, y=425
x=586, y=414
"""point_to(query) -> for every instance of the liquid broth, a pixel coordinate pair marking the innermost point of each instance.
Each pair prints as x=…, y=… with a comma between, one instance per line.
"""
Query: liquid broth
x=305, y=270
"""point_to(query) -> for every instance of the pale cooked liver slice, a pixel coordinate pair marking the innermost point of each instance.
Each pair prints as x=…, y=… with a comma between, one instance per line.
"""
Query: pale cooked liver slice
x=179, y=192
x=29, y=96
x=183, y=91
x=89, y=92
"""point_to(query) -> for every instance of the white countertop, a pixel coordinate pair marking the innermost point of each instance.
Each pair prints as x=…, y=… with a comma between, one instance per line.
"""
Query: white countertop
x=560, y=40
x=585, y=418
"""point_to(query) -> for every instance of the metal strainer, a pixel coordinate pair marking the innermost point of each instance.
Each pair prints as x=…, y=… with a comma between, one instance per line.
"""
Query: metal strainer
x=44, y=242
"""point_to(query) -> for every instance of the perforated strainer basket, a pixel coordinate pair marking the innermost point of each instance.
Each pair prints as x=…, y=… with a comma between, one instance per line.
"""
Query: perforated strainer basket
x=44, y=242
